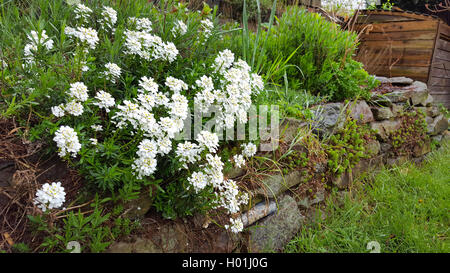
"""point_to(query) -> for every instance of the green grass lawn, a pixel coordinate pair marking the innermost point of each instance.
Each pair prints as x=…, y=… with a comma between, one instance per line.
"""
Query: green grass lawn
x=404, y=209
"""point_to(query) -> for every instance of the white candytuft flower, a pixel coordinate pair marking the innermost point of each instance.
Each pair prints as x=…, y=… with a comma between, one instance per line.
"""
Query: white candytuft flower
x=109, y=17
x=149, y=47
x=141, y=24
x=34, y=40
x=88, y=36
x=239, y=160
x=58, y=111
x=67, y=141
x=50, y=196
x=105, y=100
x=188, y=152
x=74, y=108
x=179, y=28
x=148, y=84
x=207, y=27
x=82, y=12
x=97, y=128
x=208, y=140
x=236, y=225
x=93, y=141
x=249, y=149
x=112, y=72
x=145, y=164
x=198, y=181
x=78, y=91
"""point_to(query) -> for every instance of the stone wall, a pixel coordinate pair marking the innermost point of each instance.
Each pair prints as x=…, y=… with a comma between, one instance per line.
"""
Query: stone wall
x=273, y=221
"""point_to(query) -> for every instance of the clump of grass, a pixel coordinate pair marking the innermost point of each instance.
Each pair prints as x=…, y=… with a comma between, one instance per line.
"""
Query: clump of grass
x=404, y=209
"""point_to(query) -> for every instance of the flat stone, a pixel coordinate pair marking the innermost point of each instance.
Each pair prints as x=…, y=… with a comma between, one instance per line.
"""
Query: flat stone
x=274, y=185
x=439, y=125
x=437, y=138
x=382, y=100
x=361, y=112
x=401, y=81
x=399, y=96
x=259, y=211
x=383, y=79
x=275, y=231
x=382, y=113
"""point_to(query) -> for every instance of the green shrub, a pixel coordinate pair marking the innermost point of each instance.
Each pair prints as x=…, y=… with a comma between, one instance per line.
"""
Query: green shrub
x=315, y=54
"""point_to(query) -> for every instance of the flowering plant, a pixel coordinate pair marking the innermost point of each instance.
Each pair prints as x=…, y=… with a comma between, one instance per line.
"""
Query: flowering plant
x=134, y=83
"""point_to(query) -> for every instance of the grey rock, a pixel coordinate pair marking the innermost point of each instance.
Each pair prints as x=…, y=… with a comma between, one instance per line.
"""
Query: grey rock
x=420, y=94
x=429, y=101
x=384, y=100
x=420, y=150
x=401, y=81
x=327, y=118
x=307, y=202
x=275, y=231
x=343, y=180
x=276, y=184
x=289, y=129
x=399, y=96
x=372, y=148
x=361, y=112
x=383, y=79
x=396, y=160
x=385, y=147
x=379, y=131
x=397, y=109
x=258, y=212
x=390, y=126
x=433, y=111
x=439, y=125
x=437, y=138
x=233, y=172
x=382, y=113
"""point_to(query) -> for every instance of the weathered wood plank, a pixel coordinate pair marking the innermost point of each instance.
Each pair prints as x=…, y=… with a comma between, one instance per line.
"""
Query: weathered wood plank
x=440, y=73
x=405, y=44
x=444, y=29
x=442, y=55
x=441, y=98
x=442, y=82
x=443, y=45
x=396, y=13
x=402, y=26
x=442, y=64
x=399, y=36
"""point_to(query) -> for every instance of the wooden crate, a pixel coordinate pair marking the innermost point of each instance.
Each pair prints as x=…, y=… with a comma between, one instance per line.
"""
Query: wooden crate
x=407, y=44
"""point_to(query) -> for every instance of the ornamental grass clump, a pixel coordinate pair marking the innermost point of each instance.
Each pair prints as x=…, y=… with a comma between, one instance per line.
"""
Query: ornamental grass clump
x=129, y=86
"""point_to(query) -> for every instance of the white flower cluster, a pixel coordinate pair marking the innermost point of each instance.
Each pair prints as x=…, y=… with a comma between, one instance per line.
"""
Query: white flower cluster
x=109, y=17
x=50, y=196
x=78, y=92
x=138, y=113
x=233, y=96
x=147, y=46
x=179, y=28
x=105, y=100
x=82, y=12
x=236, y=225
x=86, y=36
x=35, y=40
x=207, y=27
x=112, y=72
x=67, y=141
